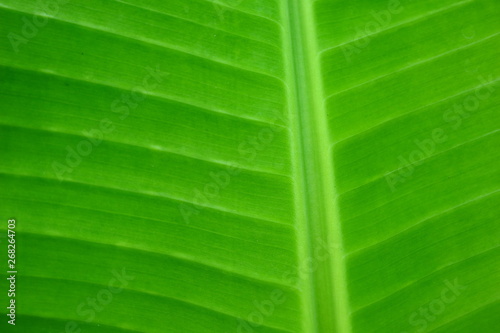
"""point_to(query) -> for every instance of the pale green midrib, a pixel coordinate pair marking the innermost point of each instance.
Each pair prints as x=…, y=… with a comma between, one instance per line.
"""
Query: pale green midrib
x=325, y=297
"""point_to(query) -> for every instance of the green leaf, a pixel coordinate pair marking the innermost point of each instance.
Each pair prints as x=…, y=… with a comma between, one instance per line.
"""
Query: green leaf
x=250, y=166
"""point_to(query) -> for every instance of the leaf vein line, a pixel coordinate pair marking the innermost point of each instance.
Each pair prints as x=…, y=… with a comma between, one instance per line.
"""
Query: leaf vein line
x=415, y=225
x=400, y=25
x=412, y=65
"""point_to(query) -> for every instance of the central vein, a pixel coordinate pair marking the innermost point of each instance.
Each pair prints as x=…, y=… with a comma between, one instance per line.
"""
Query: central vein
x=323, y=277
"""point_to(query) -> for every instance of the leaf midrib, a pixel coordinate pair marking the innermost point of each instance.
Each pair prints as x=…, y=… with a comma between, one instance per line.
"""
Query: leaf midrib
x=325, y=298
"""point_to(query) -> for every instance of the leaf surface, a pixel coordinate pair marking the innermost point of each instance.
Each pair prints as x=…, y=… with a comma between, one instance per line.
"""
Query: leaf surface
x=251, y=166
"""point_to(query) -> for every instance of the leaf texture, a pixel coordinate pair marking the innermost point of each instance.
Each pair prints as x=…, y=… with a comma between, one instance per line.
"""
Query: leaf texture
x=251, y=165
